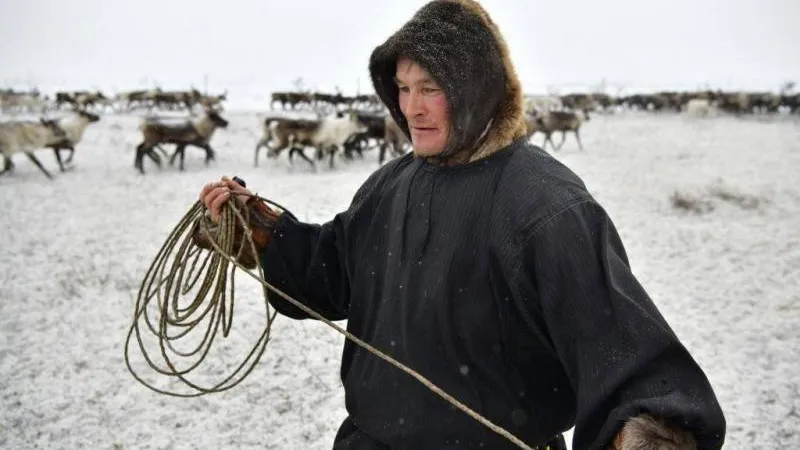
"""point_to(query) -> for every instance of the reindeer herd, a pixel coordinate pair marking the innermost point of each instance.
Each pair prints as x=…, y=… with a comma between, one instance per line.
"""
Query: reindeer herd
x=315, y=100
x=338, y=125
x=14, y=102
x=736, y=103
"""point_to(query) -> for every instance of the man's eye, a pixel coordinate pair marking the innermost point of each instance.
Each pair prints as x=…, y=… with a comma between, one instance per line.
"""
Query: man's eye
x=404, y=89
x=430, y=90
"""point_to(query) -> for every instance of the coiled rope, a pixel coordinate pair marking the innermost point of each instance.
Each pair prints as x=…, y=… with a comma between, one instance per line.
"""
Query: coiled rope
x=167, y=280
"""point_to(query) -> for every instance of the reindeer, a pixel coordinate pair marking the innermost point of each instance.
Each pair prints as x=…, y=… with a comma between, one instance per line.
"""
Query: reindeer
x=532, y=125
x=562, y=121
x=327, y=134
x=393, y=139
x=293, y=99
x=57, y=134
x=15, y=102
x=212, y=101
x=736, y=103
x=71, y=128
x=701, y=107
x=376, y=129
x=136, y=99
x=197, y=132
x=540, y=103
x=579, y=102
x=267, y=138
x=791, y=102
x=86, y=100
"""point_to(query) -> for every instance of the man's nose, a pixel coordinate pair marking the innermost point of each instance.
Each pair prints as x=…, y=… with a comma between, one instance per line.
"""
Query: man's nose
x=416, y=105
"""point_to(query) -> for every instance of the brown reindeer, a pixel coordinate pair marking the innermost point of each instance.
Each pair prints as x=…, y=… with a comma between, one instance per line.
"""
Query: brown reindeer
x=278, y=134
x=197, y=132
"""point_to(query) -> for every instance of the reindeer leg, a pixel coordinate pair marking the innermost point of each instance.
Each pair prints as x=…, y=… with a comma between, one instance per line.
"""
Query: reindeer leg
x=258, y=147
x=348, y=150
x=546, y=138
x=210, y=155
x=578, y=137
x=180, y=149
x=332, y=152
x=563, y=138
x=163, y=152
x=174, y=154
x=550, y=139
x=382, y=154
x=57, y=152
x=304, y=156
x=38, y=164
x=362, y=148
x=359, y=148
x=138, y=162
x=71, y=154
x=8, y=164
x=154, y=156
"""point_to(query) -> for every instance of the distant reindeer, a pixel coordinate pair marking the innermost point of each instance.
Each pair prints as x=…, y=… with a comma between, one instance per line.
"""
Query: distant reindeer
x=563, y=121
x=701, y=107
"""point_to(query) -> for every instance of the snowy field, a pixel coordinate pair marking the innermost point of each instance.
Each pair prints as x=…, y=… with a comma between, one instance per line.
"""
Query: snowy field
x=75, y=249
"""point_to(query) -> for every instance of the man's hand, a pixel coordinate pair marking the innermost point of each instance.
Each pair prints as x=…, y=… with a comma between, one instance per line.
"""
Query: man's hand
x=261, y=219
x=215, y=194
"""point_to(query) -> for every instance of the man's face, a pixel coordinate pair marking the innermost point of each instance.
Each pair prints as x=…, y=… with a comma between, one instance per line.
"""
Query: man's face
x=424, y=106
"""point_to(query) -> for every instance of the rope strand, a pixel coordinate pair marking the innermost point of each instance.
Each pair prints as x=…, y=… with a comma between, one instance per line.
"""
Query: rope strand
x=220, y=266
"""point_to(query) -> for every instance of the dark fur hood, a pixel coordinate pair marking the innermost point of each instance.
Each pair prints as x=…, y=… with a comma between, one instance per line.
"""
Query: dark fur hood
x=461, y=47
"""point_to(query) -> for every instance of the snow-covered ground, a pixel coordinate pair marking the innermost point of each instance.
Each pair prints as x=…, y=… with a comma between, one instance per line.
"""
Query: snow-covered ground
x=75, y=249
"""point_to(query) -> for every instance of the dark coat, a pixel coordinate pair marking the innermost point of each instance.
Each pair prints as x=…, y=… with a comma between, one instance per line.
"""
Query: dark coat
x=506, y=284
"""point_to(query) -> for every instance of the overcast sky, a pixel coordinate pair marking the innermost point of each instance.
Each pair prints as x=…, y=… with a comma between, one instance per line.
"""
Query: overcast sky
x=263, y=45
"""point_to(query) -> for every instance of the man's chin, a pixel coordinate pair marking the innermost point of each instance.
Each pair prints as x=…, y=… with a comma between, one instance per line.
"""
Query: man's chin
x=426, y=149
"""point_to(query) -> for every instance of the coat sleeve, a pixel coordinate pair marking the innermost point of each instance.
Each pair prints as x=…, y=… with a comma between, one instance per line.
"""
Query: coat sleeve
x=308, y=262
x=620, y=354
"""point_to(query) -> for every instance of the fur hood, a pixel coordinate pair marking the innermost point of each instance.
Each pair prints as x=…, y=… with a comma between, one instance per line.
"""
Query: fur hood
x=463, y=50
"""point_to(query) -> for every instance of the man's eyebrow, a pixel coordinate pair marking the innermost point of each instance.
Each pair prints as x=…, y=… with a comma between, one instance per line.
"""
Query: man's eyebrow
x=425, y=80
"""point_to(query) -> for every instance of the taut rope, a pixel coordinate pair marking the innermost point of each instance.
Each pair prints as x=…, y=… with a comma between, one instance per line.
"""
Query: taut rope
x=220, y=266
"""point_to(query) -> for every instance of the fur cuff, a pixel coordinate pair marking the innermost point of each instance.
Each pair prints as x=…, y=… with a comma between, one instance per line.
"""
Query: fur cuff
x=647, y=433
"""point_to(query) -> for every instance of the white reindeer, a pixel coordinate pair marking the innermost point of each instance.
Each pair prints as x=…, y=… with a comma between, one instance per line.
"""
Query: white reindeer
x=28, y=136
x=327, y=134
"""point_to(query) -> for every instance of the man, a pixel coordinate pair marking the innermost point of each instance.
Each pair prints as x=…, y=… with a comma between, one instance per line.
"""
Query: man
x=485, y=265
